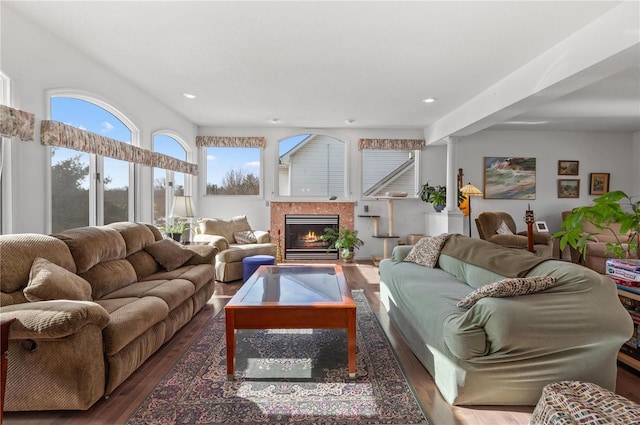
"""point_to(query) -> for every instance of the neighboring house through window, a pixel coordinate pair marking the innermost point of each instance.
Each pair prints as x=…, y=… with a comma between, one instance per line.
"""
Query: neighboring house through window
x=311, y=165
x=389, y=171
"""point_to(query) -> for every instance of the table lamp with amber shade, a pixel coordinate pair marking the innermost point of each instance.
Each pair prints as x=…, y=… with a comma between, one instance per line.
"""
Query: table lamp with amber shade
x=470, y=190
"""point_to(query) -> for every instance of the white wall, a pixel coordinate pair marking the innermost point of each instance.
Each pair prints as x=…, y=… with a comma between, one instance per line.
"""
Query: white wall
x=37, y=61
x=597, y=152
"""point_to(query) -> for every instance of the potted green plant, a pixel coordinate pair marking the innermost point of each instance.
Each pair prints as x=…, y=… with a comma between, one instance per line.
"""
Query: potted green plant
x=612, y=207
x=436, y=195
x=344, y=240
x=175, y=230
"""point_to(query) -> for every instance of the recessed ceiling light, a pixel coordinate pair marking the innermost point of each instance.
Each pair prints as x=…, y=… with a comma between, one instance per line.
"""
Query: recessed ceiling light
x=189, y=95
x=275, y=120
x=350, y=121
x=429, y=100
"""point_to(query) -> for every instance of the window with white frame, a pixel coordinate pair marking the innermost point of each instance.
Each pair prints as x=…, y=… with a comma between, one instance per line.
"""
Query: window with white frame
x=89, y=189
x=389, y=171
x=233, y=170
x=311, y=165
x=166, y=183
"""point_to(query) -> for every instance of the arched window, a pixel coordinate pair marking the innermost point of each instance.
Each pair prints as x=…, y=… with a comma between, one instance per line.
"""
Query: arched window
x=166, y=183
x=89, y=189
x=311, y=165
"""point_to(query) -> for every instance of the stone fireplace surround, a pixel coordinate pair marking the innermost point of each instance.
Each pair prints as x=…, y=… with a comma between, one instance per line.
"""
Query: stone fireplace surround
x=345, y=210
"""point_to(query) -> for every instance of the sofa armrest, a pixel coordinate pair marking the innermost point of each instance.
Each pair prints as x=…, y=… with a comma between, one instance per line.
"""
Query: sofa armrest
x=214, y=240
x=514, y=241
x=205, y=254
x=53, y=319
x=262, y=236
x=400, y=251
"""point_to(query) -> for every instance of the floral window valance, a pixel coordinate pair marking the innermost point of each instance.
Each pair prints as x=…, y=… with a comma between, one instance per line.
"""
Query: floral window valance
x=231, y=142
x=392, y=144
x=14, y=122
x=54, y=133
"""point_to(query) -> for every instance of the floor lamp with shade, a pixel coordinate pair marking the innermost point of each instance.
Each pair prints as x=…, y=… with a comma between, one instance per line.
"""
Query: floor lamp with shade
x=183, y=208
x=470, y=190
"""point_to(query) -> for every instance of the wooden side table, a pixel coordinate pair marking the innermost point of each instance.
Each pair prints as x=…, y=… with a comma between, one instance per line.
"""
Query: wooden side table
x=4, y=347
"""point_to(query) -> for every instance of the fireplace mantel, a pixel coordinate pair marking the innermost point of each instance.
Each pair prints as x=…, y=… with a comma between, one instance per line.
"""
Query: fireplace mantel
x=345, y=210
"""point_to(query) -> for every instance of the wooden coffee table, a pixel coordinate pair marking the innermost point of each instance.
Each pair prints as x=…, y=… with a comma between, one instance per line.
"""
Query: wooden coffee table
x=292, y=297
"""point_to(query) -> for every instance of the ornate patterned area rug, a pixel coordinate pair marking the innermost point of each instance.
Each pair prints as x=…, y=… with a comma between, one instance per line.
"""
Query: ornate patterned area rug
x=285, y=377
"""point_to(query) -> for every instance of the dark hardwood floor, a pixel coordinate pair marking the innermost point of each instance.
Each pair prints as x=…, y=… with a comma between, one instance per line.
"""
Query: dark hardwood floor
x=125, y=399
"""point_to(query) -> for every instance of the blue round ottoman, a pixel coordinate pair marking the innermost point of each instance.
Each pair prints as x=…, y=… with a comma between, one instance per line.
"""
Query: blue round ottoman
x=251, y=264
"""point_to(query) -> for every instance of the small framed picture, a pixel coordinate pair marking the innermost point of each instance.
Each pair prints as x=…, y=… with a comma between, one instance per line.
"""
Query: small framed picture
x=569, y=188
x=598, y=183
x=541, y=226
x=568, y=168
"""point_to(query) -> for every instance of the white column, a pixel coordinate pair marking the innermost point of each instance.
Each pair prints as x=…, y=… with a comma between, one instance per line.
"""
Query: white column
x=452, y=179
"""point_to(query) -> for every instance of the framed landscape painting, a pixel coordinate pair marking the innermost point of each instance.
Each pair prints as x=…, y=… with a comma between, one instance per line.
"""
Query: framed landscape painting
x=568, y=168
x=569, y=188
x=509, y=178
x=598, y=183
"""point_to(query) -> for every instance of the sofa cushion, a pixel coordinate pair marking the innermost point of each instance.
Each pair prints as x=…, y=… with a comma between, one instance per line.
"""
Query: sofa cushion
x=245, y=237
x=508, y=288
x=173, y=292
x=109, y=276
x=48, y=281
x=225, y=227
x=135, y=235
x=427, y=251
x=169, y=253
x=144, y=264
x=19, y=251
x=130, y=318
x=92, y=245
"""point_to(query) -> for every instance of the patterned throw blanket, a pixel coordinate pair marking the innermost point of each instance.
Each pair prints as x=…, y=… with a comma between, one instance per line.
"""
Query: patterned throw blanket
x=507, y=262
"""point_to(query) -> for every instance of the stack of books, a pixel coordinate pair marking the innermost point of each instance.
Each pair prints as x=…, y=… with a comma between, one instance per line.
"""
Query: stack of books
x=626, y=274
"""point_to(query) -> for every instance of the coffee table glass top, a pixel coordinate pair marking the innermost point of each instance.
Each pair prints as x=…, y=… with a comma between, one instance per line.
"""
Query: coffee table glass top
x=293, y=286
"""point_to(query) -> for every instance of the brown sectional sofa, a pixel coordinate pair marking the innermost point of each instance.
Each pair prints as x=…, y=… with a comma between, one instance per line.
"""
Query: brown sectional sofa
x=70, y=347
x=221, y=233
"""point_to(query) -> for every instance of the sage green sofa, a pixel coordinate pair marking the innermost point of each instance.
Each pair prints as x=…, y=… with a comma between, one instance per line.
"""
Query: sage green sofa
x=91, y=305
x=503, y=351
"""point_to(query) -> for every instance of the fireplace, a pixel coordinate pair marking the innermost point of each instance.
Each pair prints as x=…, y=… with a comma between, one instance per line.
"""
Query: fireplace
x=302, y=236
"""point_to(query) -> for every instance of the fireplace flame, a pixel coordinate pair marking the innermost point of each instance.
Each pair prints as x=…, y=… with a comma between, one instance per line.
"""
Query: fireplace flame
x=310, y=237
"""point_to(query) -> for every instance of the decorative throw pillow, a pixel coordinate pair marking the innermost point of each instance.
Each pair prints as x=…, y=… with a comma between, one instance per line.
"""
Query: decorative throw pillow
x=245, y=237
x=49, y=281
x=427, y=251
x=503, y=229
x=508, y=288
x=169, y=253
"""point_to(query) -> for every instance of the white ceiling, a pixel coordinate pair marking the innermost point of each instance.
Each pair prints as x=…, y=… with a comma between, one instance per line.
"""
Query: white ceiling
x=318, y=64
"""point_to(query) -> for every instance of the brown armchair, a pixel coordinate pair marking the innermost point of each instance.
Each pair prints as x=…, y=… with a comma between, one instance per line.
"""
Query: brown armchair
x=489, y=224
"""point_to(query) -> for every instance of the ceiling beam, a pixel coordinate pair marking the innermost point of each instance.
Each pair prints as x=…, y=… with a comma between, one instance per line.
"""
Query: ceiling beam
x=604, y=47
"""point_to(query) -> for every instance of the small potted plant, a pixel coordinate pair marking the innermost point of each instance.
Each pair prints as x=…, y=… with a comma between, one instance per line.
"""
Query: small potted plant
x=436, y=195
x=175, y=230
x=344, y=240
